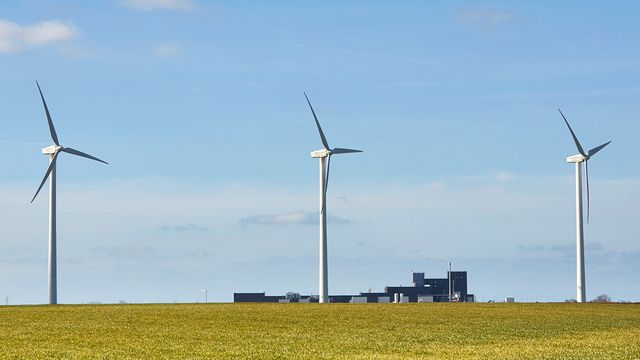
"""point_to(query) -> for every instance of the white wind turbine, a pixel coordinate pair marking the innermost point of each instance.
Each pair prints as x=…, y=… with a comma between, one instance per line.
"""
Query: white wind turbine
x=579, y=159
x=325, y=160
x=53, y=151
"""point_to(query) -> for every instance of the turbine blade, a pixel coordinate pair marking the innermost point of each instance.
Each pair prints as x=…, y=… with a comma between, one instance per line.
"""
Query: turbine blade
x=324, y=139
x=575, y=138
x=597, y=148
x=52, y=129
x=46, y=175
x=326, y=183
x=344, y=151
x=80, y=153
x=586, y=170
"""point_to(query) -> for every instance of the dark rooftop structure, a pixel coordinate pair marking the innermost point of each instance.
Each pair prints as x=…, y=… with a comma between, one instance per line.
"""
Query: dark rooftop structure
x=423, y=290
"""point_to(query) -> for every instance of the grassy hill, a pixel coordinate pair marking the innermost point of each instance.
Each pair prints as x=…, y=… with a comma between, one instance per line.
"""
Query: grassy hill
x=312, y=331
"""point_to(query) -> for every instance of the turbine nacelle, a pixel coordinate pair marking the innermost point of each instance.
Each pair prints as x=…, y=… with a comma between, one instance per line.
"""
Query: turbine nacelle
x=322, y=153
x=577, y=158
x=51, y=150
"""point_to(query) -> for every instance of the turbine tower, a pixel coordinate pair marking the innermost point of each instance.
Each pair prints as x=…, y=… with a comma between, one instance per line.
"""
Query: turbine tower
x=53, y=151
x=579, y=159
x=325, y=161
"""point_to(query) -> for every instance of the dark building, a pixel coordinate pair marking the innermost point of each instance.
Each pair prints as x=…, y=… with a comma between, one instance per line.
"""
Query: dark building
x=423, y=290
x=433, y=290
x=255, y=297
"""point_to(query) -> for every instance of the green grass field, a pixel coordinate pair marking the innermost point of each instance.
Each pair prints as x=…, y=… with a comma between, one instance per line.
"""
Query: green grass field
x=312, y=331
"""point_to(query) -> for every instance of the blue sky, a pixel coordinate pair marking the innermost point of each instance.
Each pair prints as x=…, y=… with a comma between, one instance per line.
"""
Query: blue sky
x=198, y=107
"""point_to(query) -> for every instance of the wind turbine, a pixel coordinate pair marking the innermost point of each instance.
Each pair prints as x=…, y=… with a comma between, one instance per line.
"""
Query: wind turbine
x=325, y=161
x=53, y=151
x=579, y=159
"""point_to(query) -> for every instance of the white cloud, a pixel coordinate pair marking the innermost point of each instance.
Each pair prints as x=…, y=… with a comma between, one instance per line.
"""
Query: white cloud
x=15, y=38
x=292, y=218
x=485, y=19
x=167, y=50
x=148, y=5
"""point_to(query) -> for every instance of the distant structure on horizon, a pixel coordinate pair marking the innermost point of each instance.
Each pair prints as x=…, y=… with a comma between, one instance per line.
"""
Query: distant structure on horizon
x=423, y=290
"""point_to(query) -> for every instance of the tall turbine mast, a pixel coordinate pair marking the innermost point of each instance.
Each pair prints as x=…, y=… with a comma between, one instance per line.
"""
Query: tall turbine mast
x=579, y=159
x=53, y=151
x=324, y=155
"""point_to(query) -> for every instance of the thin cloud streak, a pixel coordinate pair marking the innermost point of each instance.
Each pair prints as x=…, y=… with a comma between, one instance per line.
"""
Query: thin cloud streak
x=148, y=5
x=367, y=54
x=292, y=218
x=167, y=50
x=127, y=252
x=493, y=176
x=485, y=19
x=560, y=249
x=184, y=228
x=412, y=84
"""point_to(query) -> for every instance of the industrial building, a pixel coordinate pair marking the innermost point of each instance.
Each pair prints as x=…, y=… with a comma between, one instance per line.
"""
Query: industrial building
x=423, y=290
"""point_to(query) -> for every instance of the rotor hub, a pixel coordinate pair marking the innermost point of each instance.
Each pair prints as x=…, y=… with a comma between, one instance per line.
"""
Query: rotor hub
x=321, y=153
x=51, y=150
x=577, y=158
